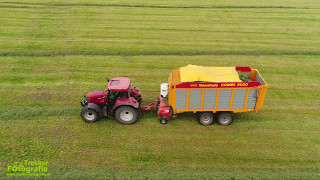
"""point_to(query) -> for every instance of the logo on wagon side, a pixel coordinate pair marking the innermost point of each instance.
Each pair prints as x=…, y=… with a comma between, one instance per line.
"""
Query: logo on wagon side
x=208, y=85
x=242, y=84
x=227, y=84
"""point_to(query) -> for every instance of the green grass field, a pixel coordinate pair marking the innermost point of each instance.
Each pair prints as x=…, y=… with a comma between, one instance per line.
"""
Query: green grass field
x=52, y=53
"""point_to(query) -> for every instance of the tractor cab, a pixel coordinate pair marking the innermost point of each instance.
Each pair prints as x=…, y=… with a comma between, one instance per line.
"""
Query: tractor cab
x=121, y=88
x=118, y=88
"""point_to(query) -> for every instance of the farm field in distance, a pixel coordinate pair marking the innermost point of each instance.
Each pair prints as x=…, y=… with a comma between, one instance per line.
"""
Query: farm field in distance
x=54, y=52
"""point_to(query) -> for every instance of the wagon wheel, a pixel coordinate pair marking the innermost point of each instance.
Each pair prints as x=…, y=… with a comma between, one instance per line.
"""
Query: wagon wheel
x=224, y=118
x=163, y=121
x=205, y=118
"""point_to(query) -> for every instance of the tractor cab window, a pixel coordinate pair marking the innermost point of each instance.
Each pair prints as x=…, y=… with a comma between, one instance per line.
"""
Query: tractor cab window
x=114, y=83
x=118, y=94
x=114, y=95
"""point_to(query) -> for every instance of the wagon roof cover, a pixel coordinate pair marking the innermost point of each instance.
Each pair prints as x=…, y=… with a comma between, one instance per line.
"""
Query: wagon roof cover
x=192, y=73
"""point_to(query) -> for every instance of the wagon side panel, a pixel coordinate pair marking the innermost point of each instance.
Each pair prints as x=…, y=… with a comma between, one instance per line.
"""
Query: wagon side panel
x=216, y=99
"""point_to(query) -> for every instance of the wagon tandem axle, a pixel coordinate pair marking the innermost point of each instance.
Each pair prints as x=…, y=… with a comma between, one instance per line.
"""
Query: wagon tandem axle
x=208, y=99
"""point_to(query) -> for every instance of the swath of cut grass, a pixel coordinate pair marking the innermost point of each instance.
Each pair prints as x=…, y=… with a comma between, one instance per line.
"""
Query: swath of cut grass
x=144, y=6
x=154, y=53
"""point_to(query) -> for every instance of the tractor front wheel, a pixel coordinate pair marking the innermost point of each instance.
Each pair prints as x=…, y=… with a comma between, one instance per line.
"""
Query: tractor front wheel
x=126, y=115
x=89, y=115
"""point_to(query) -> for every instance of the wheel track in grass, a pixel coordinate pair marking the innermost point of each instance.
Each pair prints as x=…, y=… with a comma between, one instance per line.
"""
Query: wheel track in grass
x=153, y=53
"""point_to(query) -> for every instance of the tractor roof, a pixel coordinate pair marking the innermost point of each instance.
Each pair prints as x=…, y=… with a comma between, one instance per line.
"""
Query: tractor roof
x=119, y=84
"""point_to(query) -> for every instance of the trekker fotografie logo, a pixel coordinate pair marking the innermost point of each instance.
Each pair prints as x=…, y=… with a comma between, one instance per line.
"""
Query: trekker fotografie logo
x=29, y=168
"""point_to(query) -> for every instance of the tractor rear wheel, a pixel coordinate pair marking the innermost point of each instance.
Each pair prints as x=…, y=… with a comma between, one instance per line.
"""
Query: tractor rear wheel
x=206, y=118
x=224, y=118
x=89, y=115
x=126, y=115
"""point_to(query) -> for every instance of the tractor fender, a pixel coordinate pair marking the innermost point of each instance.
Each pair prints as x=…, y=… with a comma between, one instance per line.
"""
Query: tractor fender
x=95, y=107
x=126, y=102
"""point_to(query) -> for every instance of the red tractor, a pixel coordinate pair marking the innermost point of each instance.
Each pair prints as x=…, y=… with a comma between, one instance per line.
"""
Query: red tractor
x=121, y=101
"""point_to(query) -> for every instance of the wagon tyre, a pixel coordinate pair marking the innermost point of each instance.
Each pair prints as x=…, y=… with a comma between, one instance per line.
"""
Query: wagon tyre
x=126, y=115
x=163, y=121
x=205, y=118
x=224, y=118
x=89, y=115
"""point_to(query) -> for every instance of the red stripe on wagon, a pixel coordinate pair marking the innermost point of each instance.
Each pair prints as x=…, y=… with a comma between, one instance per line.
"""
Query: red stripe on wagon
x=218, y=85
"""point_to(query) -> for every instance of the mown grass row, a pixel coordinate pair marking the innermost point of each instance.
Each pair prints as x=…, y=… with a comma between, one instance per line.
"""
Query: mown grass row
x=168, y=3
x=38, y=111
x=144, y=6
x=154, y=53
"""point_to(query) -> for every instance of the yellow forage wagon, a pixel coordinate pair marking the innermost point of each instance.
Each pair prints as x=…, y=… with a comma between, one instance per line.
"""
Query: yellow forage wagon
x=211, y=91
